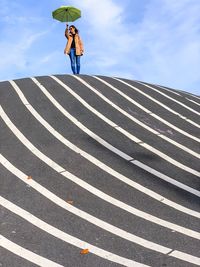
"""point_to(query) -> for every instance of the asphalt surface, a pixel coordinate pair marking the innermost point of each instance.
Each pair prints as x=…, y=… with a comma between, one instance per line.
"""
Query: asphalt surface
x=96, y=163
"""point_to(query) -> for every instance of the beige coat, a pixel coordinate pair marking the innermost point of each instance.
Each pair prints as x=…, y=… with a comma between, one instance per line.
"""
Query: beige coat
x=78, y=44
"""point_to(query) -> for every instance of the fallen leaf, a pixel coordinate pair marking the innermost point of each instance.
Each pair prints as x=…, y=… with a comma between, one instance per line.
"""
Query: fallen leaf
x=84, y=251
x=29, y=177
x=70, y=202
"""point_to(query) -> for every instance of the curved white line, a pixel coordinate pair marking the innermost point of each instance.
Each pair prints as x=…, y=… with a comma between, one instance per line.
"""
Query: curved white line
x=88, y=187
x=174, y=100
x=186, y=149
x=65, y=237
x=84, y=215
x=181, y=256
x=121, y=233
x=193, y=101
x=190, y=94
x=132, y=137
x=23, y=252
x=173, y=91
x=156, y=116
x=116, y=151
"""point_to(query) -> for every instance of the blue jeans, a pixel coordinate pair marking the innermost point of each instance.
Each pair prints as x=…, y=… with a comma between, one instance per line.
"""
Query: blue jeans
x=75, y=61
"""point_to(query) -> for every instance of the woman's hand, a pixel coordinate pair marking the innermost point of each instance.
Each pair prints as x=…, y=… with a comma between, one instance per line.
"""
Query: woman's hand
x=67, y=31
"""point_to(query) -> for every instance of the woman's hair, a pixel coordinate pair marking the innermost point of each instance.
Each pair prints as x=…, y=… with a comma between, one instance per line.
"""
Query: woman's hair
x=76, y=30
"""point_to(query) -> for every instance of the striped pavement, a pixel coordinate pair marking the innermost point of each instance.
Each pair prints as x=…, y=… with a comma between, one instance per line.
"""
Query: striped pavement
x=98, y=171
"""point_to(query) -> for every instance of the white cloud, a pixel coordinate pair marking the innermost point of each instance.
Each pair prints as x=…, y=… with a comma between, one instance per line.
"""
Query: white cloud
x=151, y=40
x=16, y=56
x=24, y=46
x=171, y=42
x=102, y=15
x=159, y=48
x=163, y=47
x=106, y=34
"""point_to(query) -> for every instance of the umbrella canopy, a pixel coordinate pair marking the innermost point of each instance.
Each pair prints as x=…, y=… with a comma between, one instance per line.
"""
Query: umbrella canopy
x=66, y=13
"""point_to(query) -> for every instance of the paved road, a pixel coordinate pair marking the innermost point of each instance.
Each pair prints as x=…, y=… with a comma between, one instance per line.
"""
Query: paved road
x=102, y=166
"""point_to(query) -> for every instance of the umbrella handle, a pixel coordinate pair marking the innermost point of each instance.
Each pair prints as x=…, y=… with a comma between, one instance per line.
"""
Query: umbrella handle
x=67, y=27
x=67, y=31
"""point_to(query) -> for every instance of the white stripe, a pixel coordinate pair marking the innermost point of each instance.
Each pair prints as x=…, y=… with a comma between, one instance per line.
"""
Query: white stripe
x=193, y=101
x=66, y=237
x=171, y=110
x=100, y=194
x=174, y=100
x=84, y=215
x=176, y=128
x=190, y=94
x=82, y=244
x=169, y=159
x=74, y=120
x=107, y=145
x=26, y=254
x=163, y=176
x=197, y=97
x=63, y=204
x=93, y=159
x=132, y=137
x=156, y=116
x=109, y=199
x=144, y=125
x=185, y=257
x=168, y=90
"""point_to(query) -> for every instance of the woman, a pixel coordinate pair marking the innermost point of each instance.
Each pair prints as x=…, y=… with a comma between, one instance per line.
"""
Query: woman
x=74, y=48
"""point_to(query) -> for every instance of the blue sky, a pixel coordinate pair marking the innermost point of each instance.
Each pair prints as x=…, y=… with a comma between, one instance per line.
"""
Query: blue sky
x=156, y=41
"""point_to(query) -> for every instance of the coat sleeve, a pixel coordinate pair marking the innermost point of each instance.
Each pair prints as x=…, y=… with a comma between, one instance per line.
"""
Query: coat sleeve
x=81, y=45
x=68, y=45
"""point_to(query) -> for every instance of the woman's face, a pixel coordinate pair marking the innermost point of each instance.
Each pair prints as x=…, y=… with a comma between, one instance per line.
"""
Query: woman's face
x=72, y=30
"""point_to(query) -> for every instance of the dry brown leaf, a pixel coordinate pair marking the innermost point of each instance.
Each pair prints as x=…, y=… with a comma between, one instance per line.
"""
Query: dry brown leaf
x=84, y=251
x=70, y=202
x=29, y=177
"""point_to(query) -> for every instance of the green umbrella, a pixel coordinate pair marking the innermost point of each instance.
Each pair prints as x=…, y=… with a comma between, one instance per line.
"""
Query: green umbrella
x=66, y=13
